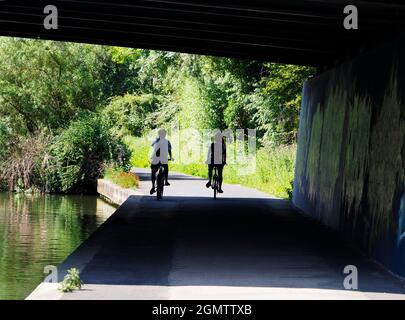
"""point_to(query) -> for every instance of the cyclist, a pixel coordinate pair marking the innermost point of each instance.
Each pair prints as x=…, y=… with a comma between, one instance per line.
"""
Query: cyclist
x=161, y=154
x=216, y=158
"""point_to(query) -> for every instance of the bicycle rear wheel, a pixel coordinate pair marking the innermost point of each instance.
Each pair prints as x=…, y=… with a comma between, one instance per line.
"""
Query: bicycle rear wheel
x=160, y=185
x=215, y=184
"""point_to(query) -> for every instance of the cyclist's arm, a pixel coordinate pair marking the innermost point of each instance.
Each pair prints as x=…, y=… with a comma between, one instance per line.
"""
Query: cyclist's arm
x=208, y=161
x=224, y=153
x=170, y=150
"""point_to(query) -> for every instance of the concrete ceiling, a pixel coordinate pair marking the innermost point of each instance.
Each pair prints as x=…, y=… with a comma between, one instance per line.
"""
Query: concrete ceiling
x=308, y=32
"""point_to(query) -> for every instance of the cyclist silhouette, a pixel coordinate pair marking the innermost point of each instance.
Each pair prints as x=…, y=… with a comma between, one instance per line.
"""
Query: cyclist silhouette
x=161, y=154
x=216, y=158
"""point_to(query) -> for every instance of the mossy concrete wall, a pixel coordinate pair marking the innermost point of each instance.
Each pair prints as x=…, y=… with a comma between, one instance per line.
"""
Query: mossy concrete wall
x=350, y=170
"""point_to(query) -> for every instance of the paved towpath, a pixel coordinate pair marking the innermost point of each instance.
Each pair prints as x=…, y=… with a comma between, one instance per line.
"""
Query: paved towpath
x=244, y=245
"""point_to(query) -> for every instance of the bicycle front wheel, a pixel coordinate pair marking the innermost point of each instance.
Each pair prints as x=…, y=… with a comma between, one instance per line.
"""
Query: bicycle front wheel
x=160, y=186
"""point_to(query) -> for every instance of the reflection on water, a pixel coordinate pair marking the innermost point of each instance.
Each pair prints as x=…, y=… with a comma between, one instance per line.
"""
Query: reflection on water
x=40, y=230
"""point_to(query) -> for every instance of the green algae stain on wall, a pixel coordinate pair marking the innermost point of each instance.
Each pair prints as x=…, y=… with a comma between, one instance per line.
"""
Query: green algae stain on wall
x=350, y=167
x=355, y=166
x=332, y=135
x=313, y=154
x=371, y=150
x=386, y=169
x=323, y=139
x=304, y=137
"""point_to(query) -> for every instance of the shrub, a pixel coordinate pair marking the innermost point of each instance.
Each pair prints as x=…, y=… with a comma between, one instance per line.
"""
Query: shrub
x=79, y=154
x=24, y=166
x=69, y=162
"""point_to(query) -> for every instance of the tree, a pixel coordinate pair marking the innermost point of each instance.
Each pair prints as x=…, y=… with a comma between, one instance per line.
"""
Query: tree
x=43, y=84
x=277, y=101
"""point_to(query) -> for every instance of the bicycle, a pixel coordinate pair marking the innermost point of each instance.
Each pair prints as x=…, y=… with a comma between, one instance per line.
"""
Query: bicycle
x=215, y=182
x=160, y=181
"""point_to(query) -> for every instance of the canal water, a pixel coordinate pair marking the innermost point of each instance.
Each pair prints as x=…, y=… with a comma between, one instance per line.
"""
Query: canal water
x=41, y=230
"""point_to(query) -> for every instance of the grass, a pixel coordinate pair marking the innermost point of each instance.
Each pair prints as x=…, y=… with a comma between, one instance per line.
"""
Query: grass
x=273, y=172
x=121, y=178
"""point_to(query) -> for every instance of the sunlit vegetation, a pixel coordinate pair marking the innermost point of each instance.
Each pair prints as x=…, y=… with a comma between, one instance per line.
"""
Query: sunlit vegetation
x=273, y=173
x=121, y=178
x=71, y=281
x=68, y=111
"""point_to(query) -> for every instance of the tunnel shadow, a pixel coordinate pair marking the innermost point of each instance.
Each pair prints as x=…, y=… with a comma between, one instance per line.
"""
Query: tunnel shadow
x=196, y=241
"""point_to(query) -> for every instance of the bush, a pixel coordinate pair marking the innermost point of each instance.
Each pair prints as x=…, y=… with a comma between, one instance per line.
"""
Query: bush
x=70, y=162
x=79, y=154
x=24, y=166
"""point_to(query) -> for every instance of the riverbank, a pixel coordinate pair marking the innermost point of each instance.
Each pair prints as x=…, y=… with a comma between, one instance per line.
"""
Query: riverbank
x=108, y=192
x=113, y=193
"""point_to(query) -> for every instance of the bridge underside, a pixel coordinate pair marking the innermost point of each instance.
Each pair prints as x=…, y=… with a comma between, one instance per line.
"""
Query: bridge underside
x=308, y=32
x=351, y=151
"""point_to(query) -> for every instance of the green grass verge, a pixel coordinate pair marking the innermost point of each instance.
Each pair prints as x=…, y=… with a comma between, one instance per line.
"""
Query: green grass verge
x=121, y=178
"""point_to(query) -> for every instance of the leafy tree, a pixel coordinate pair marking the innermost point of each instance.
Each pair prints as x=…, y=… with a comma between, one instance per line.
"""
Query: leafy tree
x=131, y=112
x=277, y=101
x=75, y=101
x=6, y=139
x=43, y=84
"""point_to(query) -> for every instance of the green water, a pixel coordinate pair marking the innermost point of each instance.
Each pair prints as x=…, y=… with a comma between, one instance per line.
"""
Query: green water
x=38, y=230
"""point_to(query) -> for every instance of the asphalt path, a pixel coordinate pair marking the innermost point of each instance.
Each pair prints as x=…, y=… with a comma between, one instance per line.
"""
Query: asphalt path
x=243, y=245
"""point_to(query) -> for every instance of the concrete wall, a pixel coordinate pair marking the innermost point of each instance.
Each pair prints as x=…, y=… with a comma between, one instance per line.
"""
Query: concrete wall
x=350, y=171
x=114, y=193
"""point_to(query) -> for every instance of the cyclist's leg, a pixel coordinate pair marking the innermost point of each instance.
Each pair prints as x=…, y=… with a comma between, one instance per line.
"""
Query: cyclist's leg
x=166, y=167
x=154, y=168
x=210, y=168
x=220, y=168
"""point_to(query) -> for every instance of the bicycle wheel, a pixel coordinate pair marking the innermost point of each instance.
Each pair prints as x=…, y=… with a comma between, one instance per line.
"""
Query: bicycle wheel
x=159, y=194
x=215, y=183
x=160, y=185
